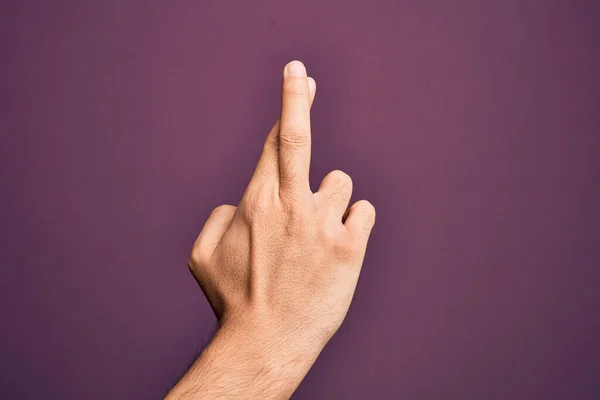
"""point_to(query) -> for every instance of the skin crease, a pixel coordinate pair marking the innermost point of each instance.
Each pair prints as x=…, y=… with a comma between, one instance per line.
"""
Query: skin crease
x=280, y=269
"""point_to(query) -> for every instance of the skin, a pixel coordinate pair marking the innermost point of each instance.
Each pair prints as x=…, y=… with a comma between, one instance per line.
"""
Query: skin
x=280, y=269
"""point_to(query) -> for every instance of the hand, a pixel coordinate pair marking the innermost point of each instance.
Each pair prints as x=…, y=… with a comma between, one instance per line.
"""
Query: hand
x=285, y=260
x=281, y=268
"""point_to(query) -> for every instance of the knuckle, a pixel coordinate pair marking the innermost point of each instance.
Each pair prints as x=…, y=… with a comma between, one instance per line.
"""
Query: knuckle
x=253, y=211
x=192, y=261
x=295, y=87
x=293, y=137
x=197, y=259
x=341, y=181
x=255, y=207
x=367, y=210
x=340, y=177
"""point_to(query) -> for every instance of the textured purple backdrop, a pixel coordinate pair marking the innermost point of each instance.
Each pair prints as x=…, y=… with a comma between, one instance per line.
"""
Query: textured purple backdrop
x=472, y=126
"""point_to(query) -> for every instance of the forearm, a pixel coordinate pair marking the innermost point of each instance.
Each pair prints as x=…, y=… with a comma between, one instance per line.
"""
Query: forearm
x=241, y=364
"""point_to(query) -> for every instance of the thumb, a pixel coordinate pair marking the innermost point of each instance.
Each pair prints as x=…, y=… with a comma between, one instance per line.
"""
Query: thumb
x=213, y=230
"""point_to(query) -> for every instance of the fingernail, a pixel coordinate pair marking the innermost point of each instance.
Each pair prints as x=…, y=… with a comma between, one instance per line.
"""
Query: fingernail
x=296, y=68
x=311, y=85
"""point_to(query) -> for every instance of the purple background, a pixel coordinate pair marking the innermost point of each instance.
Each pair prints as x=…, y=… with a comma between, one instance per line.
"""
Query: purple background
x=472, y=126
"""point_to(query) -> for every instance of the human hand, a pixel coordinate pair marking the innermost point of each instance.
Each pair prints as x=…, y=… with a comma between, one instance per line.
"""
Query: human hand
x=280, y=269
x=286, y=260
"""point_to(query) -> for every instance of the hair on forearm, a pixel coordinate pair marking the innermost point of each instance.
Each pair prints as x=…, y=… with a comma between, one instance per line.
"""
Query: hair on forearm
x=203, y=343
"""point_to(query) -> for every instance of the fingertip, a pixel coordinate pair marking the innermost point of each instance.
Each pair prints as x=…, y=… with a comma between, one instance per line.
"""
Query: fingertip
x=312, y=85
x=361, y=216
x=369, y=210
x=295, y=68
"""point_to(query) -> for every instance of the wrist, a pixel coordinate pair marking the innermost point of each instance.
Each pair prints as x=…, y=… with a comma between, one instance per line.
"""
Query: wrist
x=278, y=352
x=248, y=358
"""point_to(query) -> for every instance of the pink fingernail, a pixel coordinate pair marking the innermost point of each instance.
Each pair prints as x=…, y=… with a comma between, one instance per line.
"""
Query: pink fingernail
x=296, y=68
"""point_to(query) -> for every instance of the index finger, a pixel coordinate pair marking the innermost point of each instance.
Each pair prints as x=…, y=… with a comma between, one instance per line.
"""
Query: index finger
x=294, y=133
